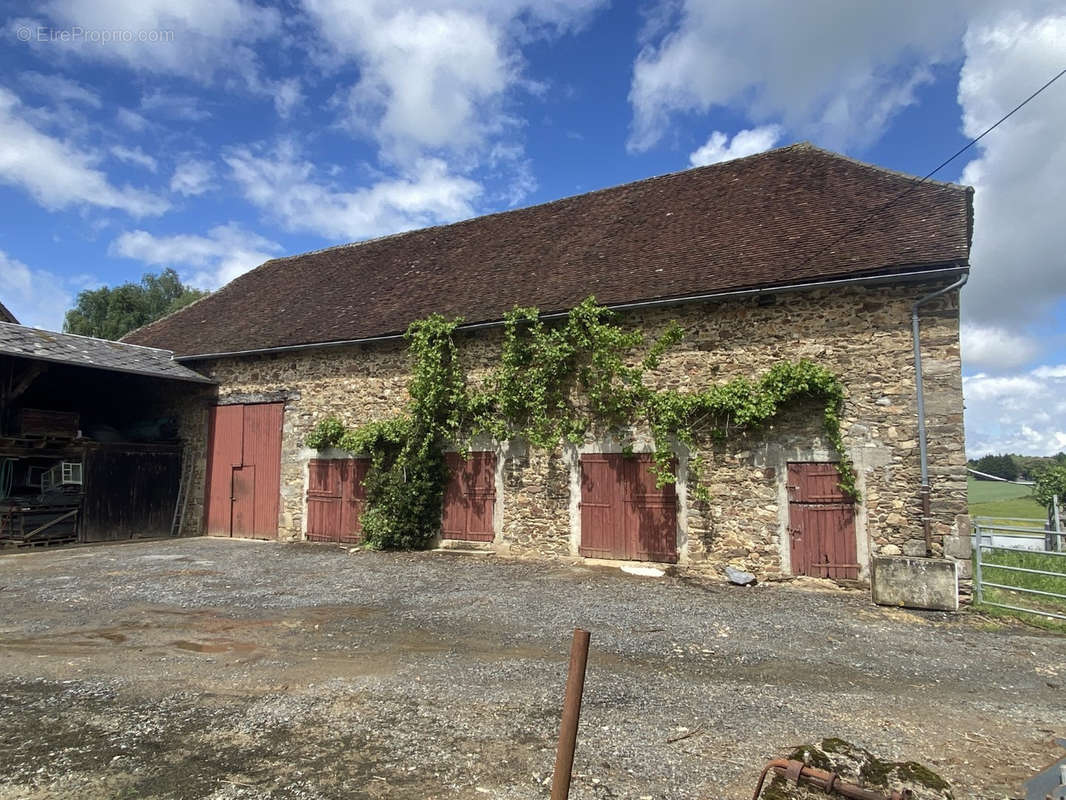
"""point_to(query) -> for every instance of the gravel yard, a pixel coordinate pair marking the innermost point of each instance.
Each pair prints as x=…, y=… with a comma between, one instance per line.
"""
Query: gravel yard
x=231, y=669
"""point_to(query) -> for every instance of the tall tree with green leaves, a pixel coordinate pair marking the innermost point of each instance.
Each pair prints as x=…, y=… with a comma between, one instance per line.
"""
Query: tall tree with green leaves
x=112, y=312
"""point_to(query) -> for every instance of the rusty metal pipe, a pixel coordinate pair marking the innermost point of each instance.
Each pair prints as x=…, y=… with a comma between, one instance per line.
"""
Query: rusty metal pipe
x=797, y=771
x=575, y=687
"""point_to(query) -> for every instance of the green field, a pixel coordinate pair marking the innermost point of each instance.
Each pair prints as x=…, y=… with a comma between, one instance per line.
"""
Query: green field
x=995, y=499
x=1026, y=580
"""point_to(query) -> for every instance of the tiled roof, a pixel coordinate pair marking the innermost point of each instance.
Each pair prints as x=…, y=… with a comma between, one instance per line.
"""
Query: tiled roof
x=6, y=316
x=767, y=220
x=84, y=351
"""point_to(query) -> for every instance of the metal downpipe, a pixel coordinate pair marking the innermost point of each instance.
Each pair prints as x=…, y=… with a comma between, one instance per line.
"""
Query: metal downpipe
x=923, y=450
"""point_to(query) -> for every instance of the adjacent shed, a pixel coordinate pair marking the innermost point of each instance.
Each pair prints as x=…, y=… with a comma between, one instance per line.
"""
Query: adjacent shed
x=90, y=438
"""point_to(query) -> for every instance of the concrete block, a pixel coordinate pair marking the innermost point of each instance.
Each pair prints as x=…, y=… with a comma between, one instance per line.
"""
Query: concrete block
x=959, y=547
x=927, y=583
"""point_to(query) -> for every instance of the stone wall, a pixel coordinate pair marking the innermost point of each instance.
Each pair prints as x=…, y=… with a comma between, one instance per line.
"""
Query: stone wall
x=862, y=334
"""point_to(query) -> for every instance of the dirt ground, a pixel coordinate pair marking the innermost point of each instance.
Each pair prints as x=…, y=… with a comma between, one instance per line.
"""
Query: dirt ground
x=231, y=669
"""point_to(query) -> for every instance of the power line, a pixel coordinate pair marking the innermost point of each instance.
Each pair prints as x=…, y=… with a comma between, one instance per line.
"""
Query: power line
x=928, y=175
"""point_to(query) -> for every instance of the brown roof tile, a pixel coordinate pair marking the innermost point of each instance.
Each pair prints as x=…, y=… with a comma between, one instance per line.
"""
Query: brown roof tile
x=760, y=221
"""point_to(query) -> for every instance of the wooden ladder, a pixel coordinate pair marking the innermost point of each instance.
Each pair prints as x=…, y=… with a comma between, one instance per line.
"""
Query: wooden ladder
x=183, y=493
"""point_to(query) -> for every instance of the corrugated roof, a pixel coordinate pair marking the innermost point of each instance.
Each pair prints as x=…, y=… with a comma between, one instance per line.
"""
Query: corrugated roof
x=768, y=220
x=6, y=316
x=84, y=351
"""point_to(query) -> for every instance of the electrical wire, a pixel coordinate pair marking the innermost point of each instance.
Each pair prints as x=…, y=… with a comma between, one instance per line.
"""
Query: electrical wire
x=862, y=223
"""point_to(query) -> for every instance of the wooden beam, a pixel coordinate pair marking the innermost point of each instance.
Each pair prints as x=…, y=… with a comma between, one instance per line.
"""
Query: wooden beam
x=27, y=378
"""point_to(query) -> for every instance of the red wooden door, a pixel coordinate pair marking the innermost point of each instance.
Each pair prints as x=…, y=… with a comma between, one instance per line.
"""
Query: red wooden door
x=243, y=502
x=225, y=446
x=623, y=514
x=335, y=499
x=602, y=531
x=243, y=484
x=650, y=513
x=469, y=497
x=821, y=523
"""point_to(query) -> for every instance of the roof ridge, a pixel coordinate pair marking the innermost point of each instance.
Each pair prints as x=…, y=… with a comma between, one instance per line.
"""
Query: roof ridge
x=916, y=179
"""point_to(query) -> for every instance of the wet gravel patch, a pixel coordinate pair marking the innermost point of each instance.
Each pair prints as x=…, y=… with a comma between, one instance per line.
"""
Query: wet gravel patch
x=232, y=669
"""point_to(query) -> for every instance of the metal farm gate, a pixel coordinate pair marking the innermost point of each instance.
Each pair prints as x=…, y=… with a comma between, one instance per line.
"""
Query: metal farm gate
x=624, y=515
x=821, y=523
x=469, y=497
x=244, y=470
x=335, y=499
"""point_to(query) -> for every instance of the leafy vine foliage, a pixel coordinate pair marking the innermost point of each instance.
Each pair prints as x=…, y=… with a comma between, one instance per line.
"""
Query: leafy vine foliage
x=553, y=382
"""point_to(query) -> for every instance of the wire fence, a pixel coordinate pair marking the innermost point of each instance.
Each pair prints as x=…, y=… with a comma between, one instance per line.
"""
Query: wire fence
x=1020, y=565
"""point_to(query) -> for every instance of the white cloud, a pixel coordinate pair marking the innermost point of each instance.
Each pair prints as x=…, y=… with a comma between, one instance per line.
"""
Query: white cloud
x=428, y=79
x=835, y=72
x=1021, y=413
x=192, y=178
x=206, y=262
x=435, y=74
x=36, y=298
x=1019, y=247
x=131, y=119
x=58, y=174
x=199, y=39
x=134, y=155
x=60, y=89
x=996, y=348
x=174, y=106
x=287, y=187
x=748, y=142
x=287, y=95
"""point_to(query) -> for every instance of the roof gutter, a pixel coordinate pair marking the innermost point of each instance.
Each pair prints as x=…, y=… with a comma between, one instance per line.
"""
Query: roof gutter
x=918, y=380
x=869, y=280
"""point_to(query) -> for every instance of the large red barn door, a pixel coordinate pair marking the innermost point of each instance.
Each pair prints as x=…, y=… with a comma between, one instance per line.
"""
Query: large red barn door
x=469, y=497
x=821, y=523
x=244, y=471
x=623, y=514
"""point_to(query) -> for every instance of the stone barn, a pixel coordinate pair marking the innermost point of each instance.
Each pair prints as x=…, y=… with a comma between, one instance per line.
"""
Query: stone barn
x=796, y=253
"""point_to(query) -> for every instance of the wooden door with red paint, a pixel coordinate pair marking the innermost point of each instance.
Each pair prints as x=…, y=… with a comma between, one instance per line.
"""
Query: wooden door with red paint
x=821, y=521
x=624, y=515
x=469, y=497
x=243, y=482
x=336, y=495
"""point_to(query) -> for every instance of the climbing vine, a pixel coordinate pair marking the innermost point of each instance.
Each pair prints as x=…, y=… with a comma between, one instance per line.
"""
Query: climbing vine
x=552, y=383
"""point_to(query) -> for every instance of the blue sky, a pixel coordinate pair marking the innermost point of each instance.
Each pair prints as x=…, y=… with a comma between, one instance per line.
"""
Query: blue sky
x=211, y=135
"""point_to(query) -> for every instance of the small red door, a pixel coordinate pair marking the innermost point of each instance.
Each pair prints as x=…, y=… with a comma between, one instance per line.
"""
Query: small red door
x=335, y=498
x=624, y=515
x=469, y=497
x=243, y=501
x=821, y=523
x=243, y=482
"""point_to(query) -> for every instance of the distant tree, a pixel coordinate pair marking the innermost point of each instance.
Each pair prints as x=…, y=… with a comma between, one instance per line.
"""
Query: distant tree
x=1051, y=482
x=111, y=313
x=1002, y=466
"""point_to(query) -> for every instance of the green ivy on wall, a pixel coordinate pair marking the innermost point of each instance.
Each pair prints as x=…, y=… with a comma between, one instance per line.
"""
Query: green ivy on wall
x=552, y=383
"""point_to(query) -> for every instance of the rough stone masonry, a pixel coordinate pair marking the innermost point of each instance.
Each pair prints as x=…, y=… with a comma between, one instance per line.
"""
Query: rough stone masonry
x=861, y=333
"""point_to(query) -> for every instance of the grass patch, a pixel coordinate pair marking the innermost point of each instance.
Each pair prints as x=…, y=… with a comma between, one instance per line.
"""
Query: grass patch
x=991, y=559
x=995, y=499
